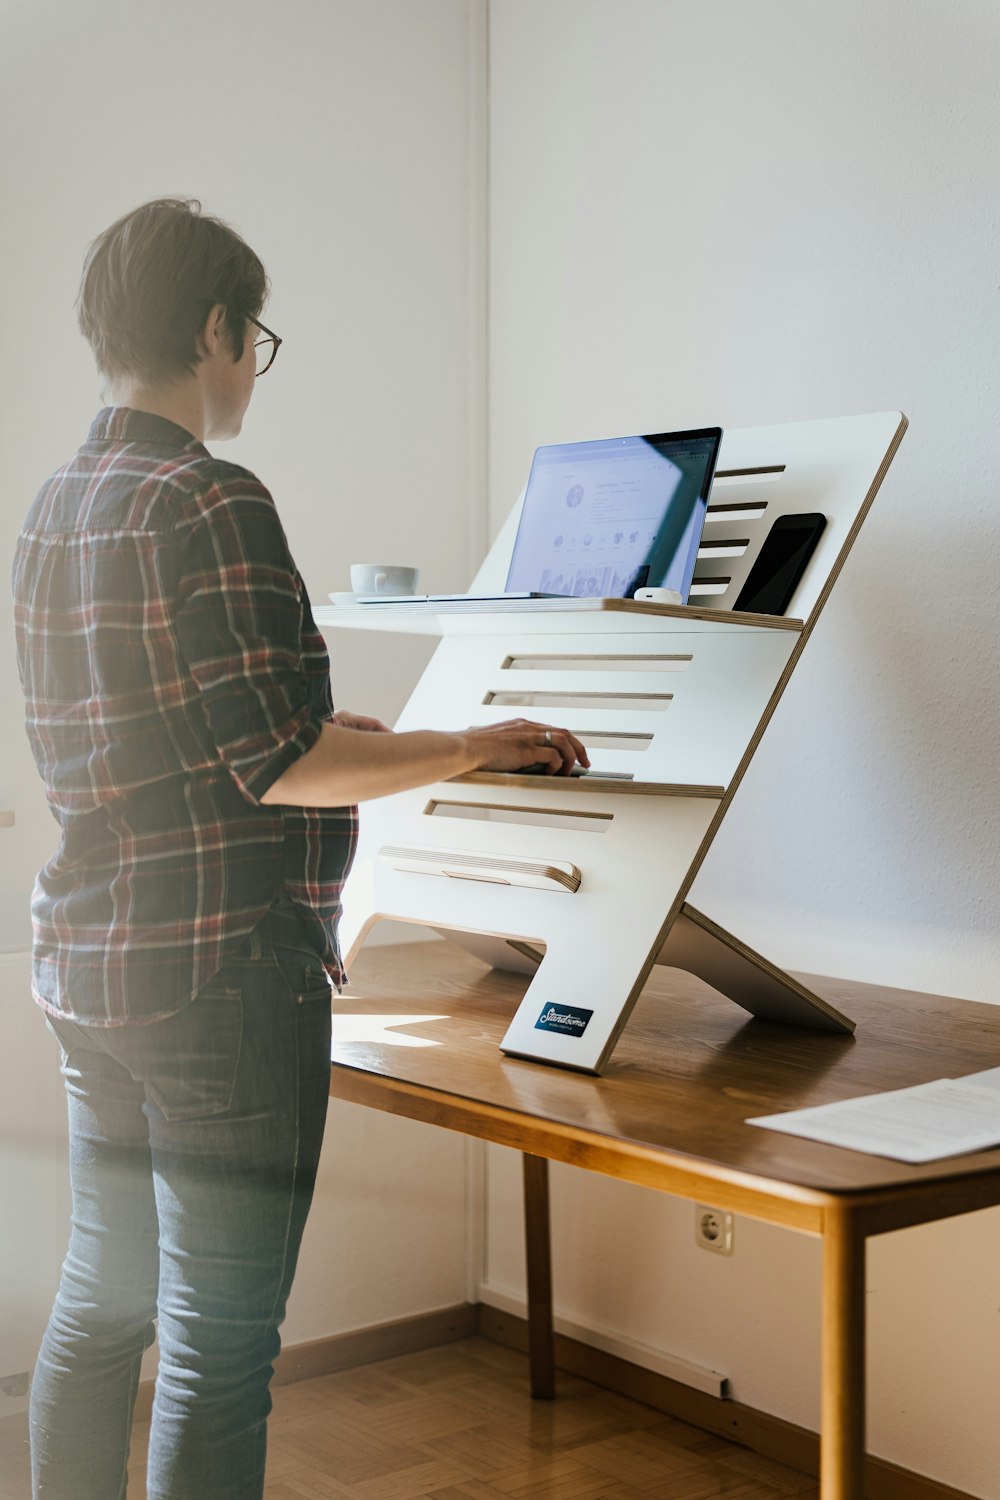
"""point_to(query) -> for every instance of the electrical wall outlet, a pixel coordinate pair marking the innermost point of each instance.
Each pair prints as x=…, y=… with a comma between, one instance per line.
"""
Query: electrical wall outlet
x=713, y=1229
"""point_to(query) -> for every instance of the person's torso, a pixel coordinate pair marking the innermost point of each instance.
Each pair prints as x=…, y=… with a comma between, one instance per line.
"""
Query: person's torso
x=162, y=859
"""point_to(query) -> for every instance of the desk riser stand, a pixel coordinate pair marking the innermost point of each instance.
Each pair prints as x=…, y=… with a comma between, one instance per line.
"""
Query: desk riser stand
x=583, y=884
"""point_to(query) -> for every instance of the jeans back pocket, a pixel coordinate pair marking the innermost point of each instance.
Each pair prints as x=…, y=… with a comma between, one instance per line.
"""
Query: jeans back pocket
x=190, y=1066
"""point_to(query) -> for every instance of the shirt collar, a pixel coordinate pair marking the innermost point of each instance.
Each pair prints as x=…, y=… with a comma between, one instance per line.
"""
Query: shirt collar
x=122, y=424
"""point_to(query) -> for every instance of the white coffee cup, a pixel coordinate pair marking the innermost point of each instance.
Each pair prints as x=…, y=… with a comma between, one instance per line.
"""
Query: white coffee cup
x=383, y=578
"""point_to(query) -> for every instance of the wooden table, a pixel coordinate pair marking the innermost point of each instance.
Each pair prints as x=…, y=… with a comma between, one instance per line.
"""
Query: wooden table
x=669, y=1114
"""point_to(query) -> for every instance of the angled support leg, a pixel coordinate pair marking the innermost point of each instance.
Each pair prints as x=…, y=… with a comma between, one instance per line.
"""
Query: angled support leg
x=698, y=944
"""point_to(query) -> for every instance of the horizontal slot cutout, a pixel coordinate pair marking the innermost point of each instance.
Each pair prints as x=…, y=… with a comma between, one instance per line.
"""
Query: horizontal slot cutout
x=737, y=507
x=602, y=739
x=706, y=586
x=762, y=474
x=539, y=817
x=651, y=702
x=676, y=662
x=733, y=548
x=735, y=515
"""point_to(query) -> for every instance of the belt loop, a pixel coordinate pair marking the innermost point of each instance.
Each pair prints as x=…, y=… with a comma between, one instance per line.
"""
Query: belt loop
x=256, y=943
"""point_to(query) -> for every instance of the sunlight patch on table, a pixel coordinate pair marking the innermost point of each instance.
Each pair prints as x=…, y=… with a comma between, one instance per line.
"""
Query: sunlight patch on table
x=364, y=1028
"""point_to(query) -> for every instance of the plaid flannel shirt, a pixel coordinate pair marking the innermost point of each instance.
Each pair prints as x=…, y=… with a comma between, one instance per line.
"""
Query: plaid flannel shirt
x=172, y=671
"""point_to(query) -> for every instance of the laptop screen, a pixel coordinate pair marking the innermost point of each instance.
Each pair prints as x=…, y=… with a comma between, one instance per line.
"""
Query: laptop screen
x=601, y=519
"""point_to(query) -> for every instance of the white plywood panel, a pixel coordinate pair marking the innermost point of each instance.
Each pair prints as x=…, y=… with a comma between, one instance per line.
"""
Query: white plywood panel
x=694, y=717
x=469, y=616
x=695, y=693
x=596, y=939
x=825, y=467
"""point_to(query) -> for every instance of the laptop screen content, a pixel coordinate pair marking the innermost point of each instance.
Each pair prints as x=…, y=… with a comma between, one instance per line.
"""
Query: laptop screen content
x=601, y=519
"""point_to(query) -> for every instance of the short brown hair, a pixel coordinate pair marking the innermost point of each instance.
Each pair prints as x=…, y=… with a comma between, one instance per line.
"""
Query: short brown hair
x=150, y=280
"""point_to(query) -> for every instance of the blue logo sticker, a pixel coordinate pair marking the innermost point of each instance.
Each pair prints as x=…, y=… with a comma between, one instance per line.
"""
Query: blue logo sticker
x=568, y=1019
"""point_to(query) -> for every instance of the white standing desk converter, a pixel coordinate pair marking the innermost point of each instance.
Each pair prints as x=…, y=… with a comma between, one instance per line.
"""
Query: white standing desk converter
x=582, y=883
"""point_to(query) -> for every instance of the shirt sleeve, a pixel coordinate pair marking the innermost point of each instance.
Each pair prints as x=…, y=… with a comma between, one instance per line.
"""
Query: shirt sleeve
x=239, y=629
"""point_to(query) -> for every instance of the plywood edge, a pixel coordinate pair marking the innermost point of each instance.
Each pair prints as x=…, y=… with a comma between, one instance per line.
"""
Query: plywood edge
x=696, y=612
x=588, y=784
x=424, y=619
x=805, y=632
x=890, y=453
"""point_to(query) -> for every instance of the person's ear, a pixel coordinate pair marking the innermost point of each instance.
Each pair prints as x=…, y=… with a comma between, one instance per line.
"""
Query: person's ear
x=213, y=335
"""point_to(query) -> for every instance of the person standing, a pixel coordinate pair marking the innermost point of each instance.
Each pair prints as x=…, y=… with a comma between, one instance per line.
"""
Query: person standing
x=179, y=710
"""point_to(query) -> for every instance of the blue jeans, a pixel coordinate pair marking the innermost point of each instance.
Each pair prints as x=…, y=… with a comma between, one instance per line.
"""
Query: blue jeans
x=194, y=1144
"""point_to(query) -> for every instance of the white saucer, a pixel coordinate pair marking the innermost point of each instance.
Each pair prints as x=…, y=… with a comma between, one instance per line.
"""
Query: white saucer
x=342, y=598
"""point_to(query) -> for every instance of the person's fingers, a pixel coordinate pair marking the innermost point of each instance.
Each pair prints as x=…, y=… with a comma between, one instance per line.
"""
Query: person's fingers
x=560, y=750
x=561, y=741
x=579, y=749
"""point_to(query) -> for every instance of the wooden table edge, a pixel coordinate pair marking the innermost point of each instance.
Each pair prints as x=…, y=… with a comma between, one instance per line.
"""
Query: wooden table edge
x=693, y=1178
x=774, y=1200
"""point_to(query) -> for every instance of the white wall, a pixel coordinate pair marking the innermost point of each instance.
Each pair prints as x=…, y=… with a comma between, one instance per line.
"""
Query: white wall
x=33, y=1176
x=714, y=211
x=754, y=213
x=342, y=137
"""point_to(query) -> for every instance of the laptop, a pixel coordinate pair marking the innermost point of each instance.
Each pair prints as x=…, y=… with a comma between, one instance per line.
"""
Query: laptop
x=601, y=519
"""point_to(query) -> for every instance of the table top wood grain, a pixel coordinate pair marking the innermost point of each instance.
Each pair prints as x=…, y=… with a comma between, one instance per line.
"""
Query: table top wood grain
x=418, y=1031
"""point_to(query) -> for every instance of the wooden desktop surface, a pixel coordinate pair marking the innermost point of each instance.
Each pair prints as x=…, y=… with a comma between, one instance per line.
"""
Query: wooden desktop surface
x=689, y=1069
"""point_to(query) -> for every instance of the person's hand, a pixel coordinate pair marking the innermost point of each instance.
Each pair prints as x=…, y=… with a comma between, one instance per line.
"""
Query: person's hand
x=517, y=743
x=348, y=720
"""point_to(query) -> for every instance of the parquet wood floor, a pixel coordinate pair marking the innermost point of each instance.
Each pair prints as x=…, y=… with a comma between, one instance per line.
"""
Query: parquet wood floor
x=457, y=1423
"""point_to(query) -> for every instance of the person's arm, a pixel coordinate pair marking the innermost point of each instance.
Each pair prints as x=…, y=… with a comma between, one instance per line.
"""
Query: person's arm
x=238, y=626
x=238, y=622
x=345, y=766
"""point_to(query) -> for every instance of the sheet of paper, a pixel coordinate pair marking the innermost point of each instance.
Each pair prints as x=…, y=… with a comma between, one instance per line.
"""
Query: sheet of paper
x=948, y=1117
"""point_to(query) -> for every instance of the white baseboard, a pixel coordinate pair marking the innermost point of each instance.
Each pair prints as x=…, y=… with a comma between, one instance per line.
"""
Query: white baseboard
x=711, y=1382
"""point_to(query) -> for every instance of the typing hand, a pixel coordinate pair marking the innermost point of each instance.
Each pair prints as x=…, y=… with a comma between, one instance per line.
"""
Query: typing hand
x=518, y=744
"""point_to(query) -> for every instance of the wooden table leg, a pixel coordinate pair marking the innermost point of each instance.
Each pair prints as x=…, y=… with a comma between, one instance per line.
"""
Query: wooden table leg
x=541, y=1353
x=842, y=1420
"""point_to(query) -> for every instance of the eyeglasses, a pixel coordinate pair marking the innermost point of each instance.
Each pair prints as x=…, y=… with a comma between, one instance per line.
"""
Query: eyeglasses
x=265, y=348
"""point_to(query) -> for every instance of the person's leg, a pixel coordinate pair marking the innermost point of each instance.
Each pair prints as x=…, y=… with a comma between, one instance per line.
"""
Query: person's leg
x=235, y=1154
x=87, y=1371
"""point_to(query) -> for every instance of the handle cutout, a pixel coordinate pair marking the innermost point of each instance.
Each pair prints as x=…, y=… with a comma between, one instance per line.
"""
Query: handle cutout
x=495, y=869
